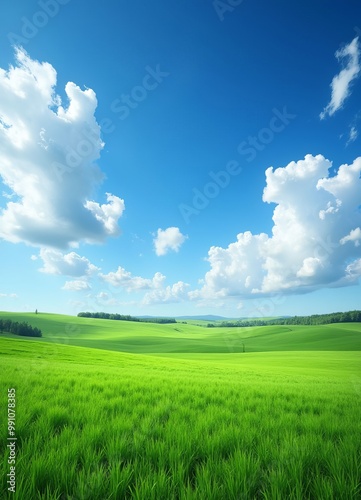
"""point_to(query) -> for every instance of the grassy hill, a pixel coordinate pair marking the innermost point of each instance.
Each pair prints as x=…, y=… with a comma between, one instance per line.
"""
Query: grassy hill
x=194, y=418
x=149, y=338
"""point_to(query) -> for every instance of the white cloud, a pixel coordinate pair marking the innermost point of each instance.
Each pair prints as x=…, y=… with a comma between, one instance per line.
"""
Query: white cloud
x=315, y=216
x=70, y=264
x=124, y=279
x=168, y=239
x=169, y=294
x=354, y=235
x=340, y=85
x=310, y=266
x=353, y=270
x=108, y=213
x=156, y=290
x=47, y=159
x=7, y=195
x=9, y=295
x=352, y=135
x=76, y=286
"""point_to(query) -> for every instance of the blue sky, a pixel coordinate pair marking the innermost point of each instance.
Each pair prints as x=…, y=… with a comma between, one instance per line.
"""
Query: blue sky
x=177, y=110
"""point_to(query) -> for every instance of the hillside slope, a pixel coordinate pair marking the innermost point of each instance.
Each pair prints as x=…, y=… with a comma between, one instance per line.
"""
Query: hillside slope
x=150, y=338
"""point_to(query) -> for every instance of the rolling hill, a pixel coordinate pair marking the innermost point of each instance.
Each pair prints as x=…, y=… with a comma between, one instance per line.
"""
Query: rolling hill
x=114, y=409
x=150, y=338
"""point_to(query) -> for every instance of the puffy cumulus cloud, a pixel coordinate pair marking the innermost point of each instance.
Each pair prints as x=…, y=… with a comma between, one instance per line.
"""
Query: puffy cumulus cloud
x=48, y=156
x=108, y=213
x=124, y=279
x=70, y=264
x=340, y=85
x=314, y=242
x=177, y=292
x=236, y=268
x=76, y=286
x=155, y=288
x=168, y=239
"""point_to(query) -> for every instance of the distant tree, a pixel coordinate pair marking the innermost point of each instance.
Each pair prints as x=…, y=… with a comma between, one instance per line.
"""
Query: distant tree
x=124, y=317
x=36, y=311
x=23, y=329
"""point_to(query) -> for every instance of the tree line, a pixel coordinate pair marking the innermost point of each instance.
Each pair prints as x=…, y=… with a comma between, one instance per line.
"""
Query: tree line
x=315, y=319
x=23, y=329
x=124, y=317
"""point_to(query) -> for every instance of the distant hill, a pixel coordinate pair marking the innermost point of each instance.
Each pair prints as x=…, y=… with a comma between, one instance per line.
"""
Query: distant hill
x=206, y=317
x=212, y=317
x=181, y=339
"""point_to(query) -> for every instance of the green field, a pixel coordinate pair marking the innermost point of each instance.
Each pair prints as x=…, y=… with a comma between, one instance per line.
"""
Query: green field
x=111, y=410
x=151, y=338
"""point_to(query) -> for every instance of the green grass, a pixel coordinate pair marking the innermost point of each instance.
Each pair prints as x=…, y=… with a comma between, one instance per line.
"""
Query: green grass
x=195, y=419
x=148, y=338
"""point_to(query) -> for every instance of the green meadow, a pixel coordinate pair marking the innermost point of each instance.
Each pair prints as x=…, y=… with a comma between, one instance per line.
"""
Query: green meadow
x=123, y=410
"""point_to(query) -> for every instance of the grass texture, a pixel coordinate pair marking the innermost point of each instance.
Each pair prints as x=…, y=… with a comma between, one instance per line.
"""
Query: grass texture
x=281, y=421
